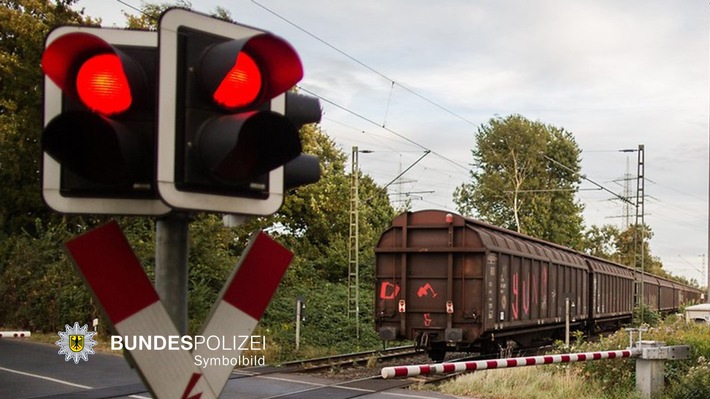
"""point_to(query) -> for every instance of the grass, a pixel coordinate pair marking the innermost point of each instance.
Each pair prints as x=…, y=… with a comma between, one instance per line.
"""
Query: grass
x=610, y=379
x=535, y=382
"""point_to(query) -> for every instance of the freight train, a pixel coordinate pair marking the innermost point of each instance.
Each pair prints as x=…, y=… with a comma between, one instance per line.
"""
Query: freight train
x=451, y=283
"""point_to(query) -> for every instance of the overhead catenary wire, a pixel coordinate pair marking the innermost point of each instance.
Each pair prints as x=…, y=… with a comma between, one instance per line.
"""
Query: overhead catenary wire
x=369, y=120
x=427, y=152
x=357, y=61
x=587, y=179
x=393, y=82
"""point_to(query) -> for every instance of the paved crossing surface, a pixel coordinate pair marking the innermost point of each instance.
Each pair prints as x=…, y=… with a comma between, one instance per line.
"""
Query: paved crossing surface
x=34, y=370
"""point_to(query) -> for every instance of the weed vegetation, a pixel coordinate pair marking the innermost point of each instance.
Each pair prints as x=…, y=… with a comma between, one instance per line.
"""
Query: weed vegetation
x=610, y=379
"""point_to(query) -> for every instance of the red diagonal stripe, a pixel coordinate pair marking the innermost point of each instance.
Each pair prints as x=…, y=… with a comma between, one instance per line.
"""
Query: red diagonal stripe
x=111, y=269
x=258, y=274
x=190, y=385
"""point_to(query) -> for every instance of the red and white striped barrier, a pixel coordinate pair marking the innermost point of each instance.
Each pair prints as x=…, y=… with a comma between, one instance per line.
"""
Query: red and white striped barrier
x=14, y=334
x=446, y=368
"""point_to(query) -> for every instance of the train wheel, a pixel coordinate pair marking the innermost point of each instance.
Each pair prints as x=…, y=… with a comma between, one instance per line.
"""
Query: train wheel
x=437, y=354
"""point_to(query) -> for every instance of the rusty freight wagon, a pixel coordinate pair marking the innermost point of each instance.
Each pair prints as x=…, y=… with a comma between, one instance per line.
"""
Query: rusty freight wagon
x=456, y=284
x=452, y=283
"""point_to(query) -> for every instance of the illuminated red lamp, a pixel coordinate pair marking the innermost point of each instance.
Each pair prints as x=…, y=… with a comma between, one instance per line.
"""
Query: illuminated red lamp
x=99, y=121
x=102, y=85
x=229, y=131
x=241, y=86
x=101, y=127
x=243, y=74
x=90, y=70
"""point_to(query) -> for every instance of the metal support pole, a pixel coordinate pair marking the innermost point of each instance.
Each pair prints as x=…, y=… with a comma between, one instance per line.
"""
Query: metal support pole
x=649, y=377
x=171, y=271
x=298, y=323
x=650, y=365
x=354, y=243
x=566, y=322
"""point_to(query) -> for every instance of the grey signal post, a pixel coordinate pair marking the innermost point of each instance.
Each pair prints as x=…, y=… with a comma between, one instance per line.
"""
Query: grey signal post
x=171, y=267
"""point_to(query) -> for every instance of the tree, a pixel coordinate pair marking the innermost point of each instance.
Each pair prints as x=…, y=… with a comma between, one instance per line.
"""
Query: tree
x=43, y=290
x=314, y=220
x=525, y=178
x=625, y=247
x=601, y=242
x=150, y=14
x=23, y=27
x=628, y=244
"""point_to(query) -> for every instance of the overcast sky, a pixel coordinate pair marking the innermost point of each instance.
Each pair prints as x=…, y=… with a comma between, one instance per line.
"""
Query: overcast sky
x=399, y=77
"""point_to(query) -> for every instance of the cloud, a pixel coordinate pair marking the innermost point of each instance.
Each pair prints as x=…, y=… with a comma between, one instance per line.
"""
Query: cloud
x=615, y=73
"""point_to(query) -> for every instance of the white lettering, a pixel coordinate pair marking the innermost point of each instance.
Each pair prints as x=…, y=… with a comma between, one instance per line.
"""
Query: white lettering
x=186, y=343
x=241, y=346
x=208, y=343
x=247, y=361
x=199, y=340
x=256, y=344
x=116, y=342
x=126, y=343
x=144, y=343
x=159, y=346
x=173, y=342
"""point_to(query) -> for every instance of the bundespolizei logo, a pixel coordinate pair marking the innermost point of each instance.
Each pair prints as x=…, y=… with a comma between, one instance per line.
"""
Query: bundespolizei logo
x=76, y=343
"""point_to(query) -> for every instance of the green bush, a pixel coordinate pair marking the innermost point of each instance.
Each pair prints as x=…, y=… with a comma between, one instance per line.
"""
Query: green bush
x=328, y=328
x=684, y=378
x=616, y=376
x=695, y=384
x=41, y=290
x=645, y=315
x=687, y=378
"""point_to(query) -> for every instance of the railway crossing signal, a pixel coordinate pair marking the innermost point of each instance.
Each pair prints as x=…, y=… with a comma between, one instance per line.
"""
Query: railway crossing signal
x=99, y=118
x=227, y=126
x=196, y=117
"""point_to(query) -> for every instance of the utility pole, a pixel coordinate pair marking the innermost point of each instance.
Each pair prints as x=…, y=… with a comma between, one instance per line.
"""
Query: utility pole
x=354, y=242
x=627, y=194
x=638, y=231
x=706, y=269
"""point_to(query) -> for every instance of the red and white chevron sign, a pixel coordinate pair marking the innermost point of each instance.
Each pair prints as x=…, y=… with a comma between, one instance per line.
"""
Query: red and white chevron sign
x=116, y=278
x=244, y=300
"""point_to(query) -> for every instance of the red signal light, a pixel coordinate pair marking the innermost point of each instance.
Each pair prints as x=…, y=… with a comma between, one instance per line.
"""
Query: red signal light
x=102, y=85
x=242, y=84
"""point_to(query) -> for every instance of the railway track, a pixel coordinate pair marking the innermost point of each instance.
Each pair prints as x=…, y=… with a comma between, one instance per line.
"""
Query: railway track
x=367, y=358
x=351, y=375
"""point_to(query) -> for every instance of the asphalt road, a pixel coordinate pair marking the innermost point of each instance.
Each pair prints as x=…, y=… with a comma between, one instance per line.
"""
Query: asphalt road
x=30, y=370
x=34, y=370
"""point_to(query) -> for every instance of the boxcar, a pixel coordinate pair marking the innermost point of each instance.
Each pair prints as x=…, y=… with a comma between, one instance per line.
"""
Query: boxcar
x=452, y=283
x=651, y=292
x=689, y=295
x=666, y=296
x=612, y=291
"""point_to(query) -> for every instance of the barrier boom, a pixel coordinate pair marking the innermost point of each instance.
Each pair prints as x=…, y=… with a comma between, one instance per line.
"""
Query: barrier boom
x=445, y=368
